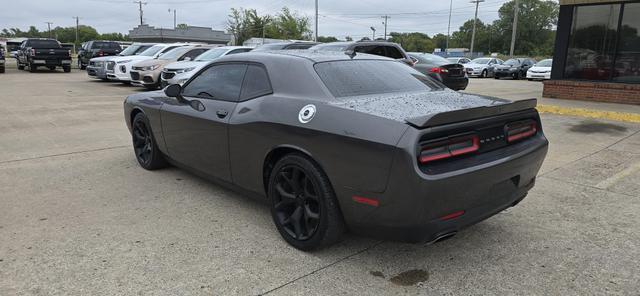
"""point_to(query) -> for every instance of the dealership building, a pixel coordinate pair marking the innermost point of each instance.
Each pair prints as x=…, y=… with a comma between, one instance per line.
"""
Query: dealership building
x=597, y=52
x=146, y=33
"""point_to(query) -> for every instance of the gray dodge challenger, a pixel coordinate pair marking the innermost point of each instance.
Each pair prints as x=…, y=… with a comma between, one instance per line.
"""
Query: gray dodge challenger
x=339, y=142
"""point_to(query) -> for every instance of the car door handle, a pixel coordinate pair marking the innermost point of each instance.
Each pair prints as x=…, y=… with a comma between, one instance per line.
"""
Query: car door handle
x=222, y=113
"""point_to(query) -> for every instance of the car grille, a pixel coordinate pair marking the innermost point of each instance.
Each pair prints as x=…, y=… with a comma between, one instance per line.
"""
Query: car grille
x=168, y=75
x=135, y=76
x=111, y=65
x=137, y=68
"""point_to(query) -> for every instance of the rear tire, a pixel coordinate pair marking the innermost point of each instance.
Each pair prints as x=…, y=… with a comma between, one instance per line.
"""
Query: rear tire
x=20, y=66
x=2, y=70
x=496, y=77
x=66, y=69
x=52, y=68
x=304, y=207
x=32, y=67
x=144, y=144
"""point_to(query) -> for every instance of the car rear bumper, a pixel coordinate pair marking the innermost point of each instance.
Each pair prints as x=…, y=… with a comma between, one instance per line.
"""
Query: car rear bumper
x=504, y=73
x=531, y=75
x=37, y=61
x=414, y=206
x=456, y=83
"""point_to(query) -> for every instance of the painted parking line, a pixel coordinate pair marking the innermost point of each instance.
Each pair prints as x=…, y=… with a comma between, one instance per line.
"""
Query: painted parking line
x=590, y=113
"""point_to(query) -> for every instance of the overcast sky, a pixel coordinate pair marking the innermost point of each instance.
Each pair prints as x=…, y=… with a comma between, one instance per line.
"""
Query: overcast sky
x=338, y=18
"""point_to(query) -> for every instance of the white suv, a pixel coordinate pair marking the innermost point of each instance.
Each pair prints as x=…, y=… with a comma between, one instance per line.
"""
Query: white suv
x=180, y=72
x=118, y=68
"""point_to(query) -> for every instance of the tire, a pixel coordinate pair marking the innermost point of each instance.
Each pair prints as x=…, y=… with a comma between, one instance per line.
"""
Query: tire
x=2, y=70
x=20, y=66
x=144, y=144
x=529, y=79
x=66, y=69
x=80, y=65
x=52, y=68
x=483, y=74
x=299, y=187
x=32, y=67
x=496, y=77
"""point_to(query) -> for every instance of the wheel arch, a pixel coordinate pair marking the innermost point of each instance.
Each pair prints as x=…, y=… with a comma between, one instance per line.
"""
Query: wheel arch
x=135, y=111
x=276, y=153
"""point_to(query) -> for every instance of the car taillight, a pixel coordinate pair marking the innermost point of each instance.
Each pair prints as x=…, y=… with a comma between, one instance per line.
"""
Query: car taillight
x=449, y=148
x=100, y=53
x=439, y=70
x=33, y=52
x=520, y=130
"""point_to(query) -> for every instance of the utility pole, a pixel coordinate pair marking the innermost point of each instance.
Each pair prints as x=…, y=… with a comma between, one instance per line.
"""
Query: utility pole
x=77, y=28
x=49, y=26
x=515, y=27
x=174, y=18
x=140, y=3
x=449, y=28
x=315, y=33
x=475, y=20
x=373, y=37
x=386, y=18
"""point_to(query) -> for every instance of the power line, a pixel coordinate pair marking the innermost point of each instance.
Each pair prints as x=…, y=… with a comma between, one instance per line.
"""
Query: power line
x=386, y=19
x=513, y=31
x=140, y=3
x=475, y=20
x=49, y=27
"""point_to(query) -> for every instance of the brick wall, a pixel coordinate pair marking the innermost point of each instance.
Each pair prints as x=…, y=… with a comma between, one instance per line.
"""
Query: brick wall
x=592, y=91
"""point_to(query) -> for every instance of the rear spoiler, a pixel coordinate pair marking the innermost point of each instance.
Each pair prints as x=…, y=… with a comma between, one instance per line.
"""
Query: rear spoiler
x=470, y=114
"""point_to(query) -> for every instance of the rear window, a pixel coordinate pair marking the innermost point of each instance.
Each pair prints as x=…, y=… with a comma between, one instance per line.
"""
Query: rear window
x=105, y=45
x=367, y=77
x=431, y=59
x=43, y=44
x=273, y=46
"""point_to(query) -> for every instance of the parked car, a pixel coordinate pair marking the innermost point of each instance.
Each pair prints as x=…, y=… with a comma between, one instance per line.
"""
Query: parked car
x=380, y=48
x=541, y=70
x=96, y=48
x=43, y=52
x=516, y=68
x=118, y=67
x=285, y=45
x=458, y=60
x=441, y=69
x=180, y=72
x=339, y=142
x=2, y=60
x=146, y=73
x=97, y=67
x=483, y=67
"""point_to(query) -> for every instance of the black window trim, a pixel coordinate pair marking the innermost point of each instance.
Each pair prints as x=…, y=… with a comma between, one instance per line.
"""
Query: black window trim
x=240, y=99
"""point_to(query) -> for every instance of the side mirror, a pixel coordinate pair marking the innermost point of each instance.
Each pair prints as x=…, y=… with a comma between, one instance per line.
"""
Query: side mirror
x=186, y=59
x=173, y=90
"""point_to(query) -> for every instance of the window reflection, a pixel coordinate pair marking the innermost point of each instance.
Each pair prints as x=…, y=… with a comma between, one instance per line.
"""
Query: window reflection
x=628, y=57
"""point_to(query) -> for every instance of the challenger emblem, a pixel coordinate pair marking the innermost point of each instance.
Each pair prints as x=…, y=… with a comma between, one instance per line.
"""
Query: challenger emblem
x=306, y=113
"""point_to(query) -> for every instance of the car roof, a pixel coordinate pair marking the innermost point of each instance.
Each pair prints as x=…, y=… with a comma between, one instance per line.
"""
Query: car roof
x=309, y=55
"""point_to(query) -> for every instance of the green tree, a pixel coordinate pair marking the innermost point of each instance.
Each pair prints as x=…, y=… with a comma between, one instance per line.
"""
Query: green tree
x=246, y=23
x=327, y=39
x=182, y=26
x=535, y=34
x=415, y=41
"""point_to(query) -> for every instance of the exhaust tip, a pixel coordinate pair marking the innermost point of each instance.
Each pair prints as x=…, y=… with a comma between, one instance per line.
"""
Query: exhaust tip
x=443, y=237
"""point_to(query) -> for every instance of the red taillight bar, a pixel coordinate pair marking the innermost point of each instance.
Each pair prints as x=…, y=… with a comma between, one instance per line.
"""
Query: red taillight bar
x=521, y=130
x=439, y=70
x=449, y=148
x=452, y=216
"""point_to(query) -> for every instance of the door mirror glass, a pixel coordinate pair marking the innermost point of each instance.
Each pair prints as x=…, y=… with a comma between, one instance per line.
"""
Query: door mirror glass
x=173, y=90
x=186, y=59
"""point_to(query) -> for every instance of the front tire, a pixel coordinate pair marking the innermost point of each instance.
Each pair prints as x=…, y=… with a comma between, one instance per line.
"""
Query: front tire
x=144, y=144
x=484, y=74
x=304, y=206
x=66, y=69
x=32, y=67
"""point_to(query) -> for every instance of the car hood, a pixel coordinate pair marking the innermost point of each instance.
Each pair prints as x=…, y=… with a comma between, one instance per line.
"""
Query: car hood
x=132, y=58
x=151, y=62
x=101, y=59
x=540, y=68
x=506, y=67
x=474, y=65
x=184, y=65
x=402, y=106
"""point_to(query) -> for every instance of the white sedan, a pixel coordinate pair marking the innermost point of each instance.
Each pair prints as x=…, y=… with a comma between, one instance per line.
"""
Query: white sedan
x=541, y=70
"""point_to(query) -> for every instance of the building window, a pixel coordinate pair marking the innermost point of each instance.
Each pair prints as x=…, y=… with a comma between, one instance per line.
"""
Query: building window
x=592, y=42
x=627, y=68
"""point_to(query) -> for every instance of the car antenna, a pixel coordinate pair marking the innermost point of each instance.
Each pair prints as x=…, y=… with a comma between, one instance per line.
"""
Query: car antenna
x=351, y=53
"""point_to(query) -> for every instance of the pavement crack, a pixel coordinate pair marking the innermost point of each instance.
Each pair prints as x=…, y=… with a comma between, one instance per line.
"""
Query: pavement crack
x=587, y=186
x=323, y=267
x=63, y=154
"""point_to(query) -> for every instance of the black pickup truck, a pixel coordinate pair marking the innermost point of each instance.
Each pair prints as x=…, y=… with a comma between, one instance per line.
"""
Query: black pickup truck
x=42, y=52
x=96, y=48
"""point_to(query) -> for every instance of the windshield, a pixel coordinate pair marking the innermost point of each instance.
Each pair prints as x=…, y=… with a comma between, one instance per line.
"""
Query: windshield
x=512, y=62
x=105, y=45
x=130, y=50
x=175, y=53
x=151, y=51
x=44, y=44
x=369, y=77
x=273, y=46
x=481, y=61
x=430, y=59
x=211, y=54
x=545, y=63
x=453, y=60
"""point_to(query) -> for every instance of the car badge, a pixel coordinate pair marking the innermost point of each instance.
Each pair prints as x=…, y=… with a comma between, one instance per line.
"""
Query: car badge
x=306, y=113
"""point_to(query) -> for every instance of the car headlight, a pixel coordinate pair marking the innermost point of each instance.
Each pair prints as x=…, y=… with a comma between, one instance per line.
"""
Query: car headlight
x=185, y=70
x=124, y=62
x=477, y=68
x=150, y=68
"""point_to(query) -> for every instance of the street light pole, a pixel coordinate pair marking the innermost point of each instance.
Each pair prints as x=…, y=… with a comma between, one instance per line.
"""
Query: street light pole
x=449, y=27
x=174, y=18
x=315, y=34
x=49, y=28
x=77, y=28
x=515, y=27
x=386, y=19
x=373, y=36
x=475, y=20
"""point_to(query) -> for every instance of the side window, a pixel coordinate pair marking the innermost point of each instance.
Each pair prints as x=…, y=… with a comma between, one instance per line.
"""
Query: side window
x=256, y=83
x=219, y=82
x=167, y=50
x=240, y=50
x=192, y=54
x=372, y=49
x=393, y=52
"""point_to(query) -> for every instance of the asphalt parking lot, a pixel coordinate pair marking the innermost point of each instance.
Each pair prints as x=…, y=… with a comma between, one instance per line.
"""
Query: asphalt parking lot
x=78, y=216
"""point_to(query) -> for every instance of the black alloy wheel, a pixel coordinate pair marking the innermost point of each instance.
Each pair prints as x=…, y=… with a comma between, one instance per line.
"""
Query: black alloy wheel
x=144, y=145
x=304, y=207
